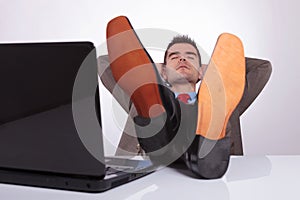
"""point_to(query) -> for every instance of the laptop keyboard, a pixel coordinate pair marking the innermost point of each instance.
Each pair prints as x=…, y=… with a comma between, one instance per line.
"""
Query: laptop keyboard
x=111, y=170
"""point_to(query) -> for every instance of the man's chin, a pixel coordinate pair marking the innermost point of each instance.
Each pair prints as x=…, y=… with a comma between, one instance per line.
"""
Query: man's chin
x=181, y=80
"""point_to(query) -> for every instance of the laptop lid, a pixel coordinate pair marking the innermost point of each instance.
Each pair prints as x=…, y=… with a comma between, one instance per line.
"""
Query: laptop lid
x=37, y=130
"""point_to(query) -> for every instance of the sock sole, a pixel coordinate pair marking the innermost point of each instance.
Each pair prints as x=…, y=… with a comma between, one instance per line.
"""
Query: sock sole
x=133, y=68
x=222, y=87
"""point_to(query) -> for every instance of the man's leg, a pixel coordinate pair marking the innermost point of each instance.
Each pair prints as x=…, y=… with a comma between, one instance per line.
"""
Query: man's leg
x=159, y=117
x=219, y=94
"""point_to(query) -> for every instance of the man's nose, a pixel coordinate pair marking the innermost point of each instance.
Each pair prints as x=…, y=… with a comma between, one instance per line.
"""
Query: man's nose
x=182, y=59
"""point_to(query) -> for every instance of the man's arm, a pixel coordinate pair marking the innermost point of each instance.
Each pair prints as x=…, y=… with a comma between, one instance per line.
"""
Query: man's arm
x=258, y=73
x=111, y=85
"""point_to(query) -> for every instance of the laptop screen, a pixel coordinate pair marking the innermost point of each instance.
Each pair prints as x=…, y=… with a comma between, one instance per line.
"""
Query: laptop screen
x=37, y=129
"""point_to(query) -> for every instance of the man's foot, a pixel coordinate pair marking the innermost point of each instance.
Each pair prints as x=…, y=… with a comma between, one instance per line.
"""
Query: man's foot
x=219, y=94
x=132, y=68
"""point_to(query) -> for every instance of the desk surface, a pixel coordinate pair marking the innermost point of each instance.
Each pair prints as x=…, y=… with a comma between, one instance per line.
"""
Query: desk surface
x=248, y=177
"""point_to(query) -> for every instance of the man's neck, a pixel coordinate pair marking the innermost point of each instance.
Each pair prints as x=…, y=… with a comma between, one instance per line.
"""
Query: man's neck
x=183, y=88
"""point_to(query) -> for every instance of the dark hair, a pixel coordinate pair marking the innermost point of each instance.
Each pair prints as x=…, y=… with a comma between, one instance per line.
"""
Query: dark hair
x=182, y=39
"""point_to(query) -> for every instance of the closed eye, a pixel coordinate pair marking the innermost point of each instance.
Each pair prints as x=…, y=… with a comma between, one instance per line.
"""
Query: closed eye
x=191, y=57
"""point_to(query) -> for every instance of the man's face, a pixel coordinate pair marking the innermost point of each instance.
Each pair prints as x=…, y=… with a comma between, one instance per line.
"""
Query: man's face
x=182, y=64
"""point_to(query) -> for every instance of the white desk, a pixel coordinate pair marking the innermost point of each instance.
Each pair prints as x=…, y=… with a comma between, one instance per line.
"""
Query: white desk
x=248, y=177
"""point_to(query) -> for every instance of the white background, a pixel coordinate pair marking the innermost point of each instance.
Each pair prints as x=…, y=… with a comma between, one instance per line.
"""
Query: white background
x=268, y=28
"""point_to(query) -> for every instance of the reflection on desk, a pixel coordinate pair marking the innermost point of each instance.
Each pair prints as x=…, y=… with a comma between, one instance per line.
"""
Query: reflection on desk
x=248, y=177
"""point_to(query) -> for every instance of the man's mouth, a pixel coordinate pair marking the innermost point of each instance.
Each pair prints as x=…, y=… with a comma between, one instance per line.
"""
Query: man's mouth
x=182, y=67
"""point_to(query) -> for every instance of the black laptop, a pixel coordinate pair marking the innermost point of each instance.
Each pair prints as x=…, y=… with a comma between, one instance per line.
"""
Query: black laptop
x=50, y=121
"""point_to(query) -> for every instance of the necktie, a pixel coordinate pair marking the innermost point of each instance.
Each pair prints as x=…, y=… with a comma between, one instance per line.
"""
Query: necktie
x=184, y=97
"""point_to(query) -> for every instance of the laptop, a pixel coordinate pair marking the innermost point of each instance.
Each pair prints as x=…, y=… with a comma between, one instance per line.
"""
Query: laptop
x=50, y=120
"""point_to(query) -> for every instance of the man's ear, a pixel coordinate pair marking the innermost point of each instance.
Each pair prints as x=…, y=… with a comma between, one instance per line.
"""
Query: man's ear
x=163, y=72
